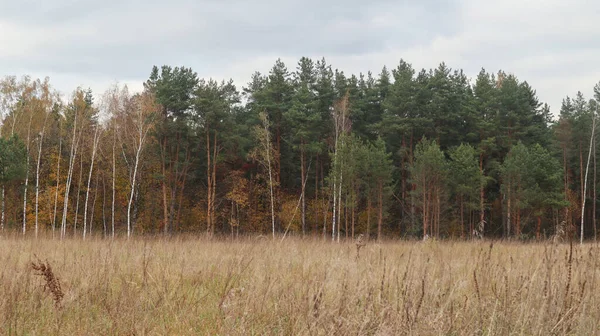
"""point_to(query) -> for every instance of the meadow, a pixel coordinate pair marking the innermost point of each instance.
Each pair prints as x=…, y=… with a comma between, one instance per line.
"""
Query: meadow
x=194, y=286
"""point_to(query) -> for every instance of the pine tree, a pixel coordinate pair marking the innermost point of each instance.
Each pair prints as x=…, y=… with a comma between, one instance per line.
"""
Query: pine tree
x=213, y=110
x=174, y=91
x=465, y=182
x=429, y=173
x=303, y=119
x=13, y=167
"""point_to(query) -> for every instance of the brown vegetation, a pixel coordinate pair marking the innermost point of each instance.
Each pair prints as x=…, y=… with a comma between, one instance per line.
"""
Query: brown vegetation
x=189, y=286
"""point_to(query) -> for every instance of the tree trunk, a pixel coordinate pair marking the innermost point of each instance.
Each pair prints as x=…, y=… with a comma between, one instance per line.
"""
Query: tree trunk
x=316, y=207
x=508, y=211
x=339, y=206
x=74, y=148
x=209, y=186
x=87, y=192
x=267, y=146
x=425, y=207
x=214, y=183
x=412, y=187
x=78, y=194
x=164, y=188
x=336, y=166
x=26, y=176
x=57, y=186
x=586, y=175
x=581, y=171
x=594, y=196
x=114, y=177
x=566, y=176
x=333, y=221
x=37, y=176
x=211, y=181
x=303, y=173
x=538, y=229
x=138, y=153
x=271, y=192
x=481, y=195
x=174, y=175
x=25, y=192
x=94, y=204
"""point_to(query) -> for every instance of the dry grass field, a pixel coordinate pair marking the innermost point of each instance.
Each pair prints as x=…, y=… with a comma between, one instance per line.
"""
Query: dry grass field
x=187, y=286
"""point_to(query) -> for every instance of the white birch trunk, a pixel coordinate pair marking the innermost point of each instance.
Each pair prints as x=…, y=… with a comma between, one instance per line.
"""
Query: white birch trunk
x=78, y=194
x=37, y=184
x=74, y=147
x=26, y=176
x=334, y=208
x=336, y=164
x=142, y=138
x=339, y=216
x=270, y=178
x=57, y=186
x=586, y=174
x=25, y=195
x=114, y=173
x=37, y=175
x=87, y=192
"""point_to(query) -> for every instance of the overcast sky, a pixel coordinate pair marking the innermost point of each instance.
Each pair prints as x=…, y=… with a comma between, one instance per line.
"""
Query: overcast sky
x=552, y=44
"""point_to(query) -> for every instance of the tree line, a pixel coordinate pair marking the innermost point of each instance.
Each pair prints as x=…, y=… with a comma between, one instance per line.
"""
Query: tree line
x=307, y=151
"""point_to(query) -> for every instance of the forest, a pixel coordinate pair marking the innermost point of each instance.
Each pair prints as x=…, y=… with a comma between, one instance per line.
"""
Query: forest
x=305, y=150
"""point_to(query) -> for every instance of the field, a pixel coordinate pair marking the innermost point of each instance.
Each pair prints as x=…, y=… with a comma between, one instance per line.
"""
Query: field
x=190, y=286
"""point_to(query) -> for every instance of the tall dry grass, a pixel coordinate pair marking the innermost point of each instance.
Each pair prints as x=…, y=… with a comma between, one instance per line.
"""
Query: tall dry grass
x=252, y=287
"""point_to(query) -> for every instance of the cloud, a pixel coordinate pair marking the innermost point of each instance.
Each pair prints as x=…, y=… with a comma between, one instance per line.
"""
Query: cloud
x=551, y=44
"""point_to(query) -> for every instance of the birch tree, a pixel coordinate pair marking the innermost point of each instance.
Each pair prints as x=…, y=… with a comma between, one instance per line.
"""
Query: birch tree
x=341, y=127
x=47, y=101
x=95, y=141
x=58, y=159
x=263, y=153
x=593, y=113
x=27, y=103
x=80, y=105
x=140, y=120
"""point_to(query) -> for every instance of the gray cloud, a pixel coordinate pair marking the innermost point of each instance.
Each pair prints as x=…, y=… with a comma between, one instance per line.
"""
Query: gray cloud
x=551, y=44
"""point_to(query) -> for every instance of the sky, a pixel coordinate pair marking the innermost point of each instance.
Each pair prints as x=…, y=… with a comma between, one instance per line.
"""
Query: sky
x=554, y=45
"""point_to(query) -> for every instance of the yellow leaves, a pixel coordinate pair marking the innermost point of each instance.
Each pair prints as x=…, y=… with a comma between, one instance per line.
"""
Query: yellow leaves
x=240, y=189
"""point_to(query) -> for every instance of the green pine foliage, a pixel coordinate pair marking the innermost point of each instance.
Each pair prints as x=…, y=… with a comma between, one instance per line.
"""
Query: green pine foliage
x=397, y=152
